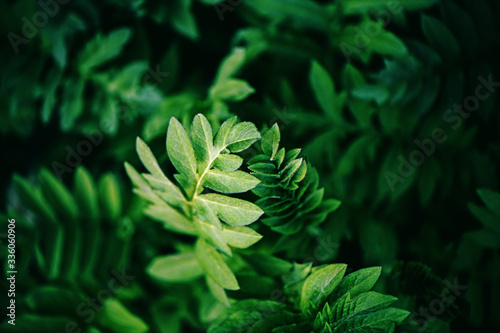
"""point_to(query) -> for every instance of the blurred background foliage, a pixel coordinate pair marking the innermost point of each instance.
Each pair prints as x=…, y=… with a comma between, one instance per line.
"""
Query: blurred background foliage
x=353, y=82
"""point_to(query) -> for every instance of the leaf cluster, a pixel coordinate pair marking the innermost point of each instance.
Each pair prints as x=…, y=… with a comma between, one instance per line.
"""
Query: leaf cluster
x=215, y=218
x=327, y=302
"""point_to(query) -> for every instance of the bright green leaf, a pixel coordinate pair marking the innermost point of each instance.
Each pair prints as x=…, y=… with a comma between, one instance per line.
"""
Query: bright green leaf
x=228, y=162
x=180, y=151
x=233, y=211
x=202, y=139
x=240, y=237
x=232, y=90
x=148, y=159
x=323, y=88
x=320, y=284
x=229, y=182
x=119, y=319
x=270, y=141
x=175, y=268
x=214, y=266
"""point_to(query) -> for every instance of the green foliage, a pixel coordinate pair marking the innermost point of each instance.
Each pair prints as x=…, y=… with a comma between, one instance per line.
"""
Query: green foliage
x=376, y=93
x=225, y=89
x=288, y=188
x=200, y=214
x=479, y=247
x=329, y=302
x=73, y=242
x=194, y=212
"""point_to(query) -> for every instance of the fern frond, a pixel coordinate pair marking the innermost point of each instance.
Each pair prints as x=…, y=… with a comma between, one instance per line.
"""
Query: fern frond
x=71, y=241
x=288, y=191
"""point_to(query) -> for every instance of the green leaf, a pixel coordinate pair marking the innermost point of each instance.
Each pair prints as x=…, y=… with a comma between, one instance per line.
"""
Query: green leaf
x=268, y=265
x=53, y=300
x=357, y=282
x=148, y=159
x=212, y=234
x=386, y=43
x=280, y=156
x=189, y=184
x=352, y=77
x=380, y=94
x=232, y=90
x=274, y=205
x=223, y=134
x=440, y=38
x=373, y=321
x=228, y=162
x=370, y=301
x=290, y=169
x=488, y=219
x=127, y=80
x=300, y=173
x=231, y=64
x=110, y=197
x=218, y=291
x=183, y=19
x=291, y=155
x=312, y=201
x=101, y=49
x=320, y=284
x=86, y=194
x=109, y=114
x=58, y=195
x=52, y=83
x=214, y=266
x=117, y=318
x=72, y=103
x=137, y=179
x=34, y=199
x=207, y=214
x=175, y=268
x=324, y=89
x=233, y=211
x=265, y=168
x=294, y=280
x=350, y=311
x=180, y=151
x=242, y=136
x=491, y=199
x=461, y=23
x=249, y=315
x=165, y=189
x=270, y=141
x=229, y=182
x=240, y=237
x=202, y=139
x=171, y=219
